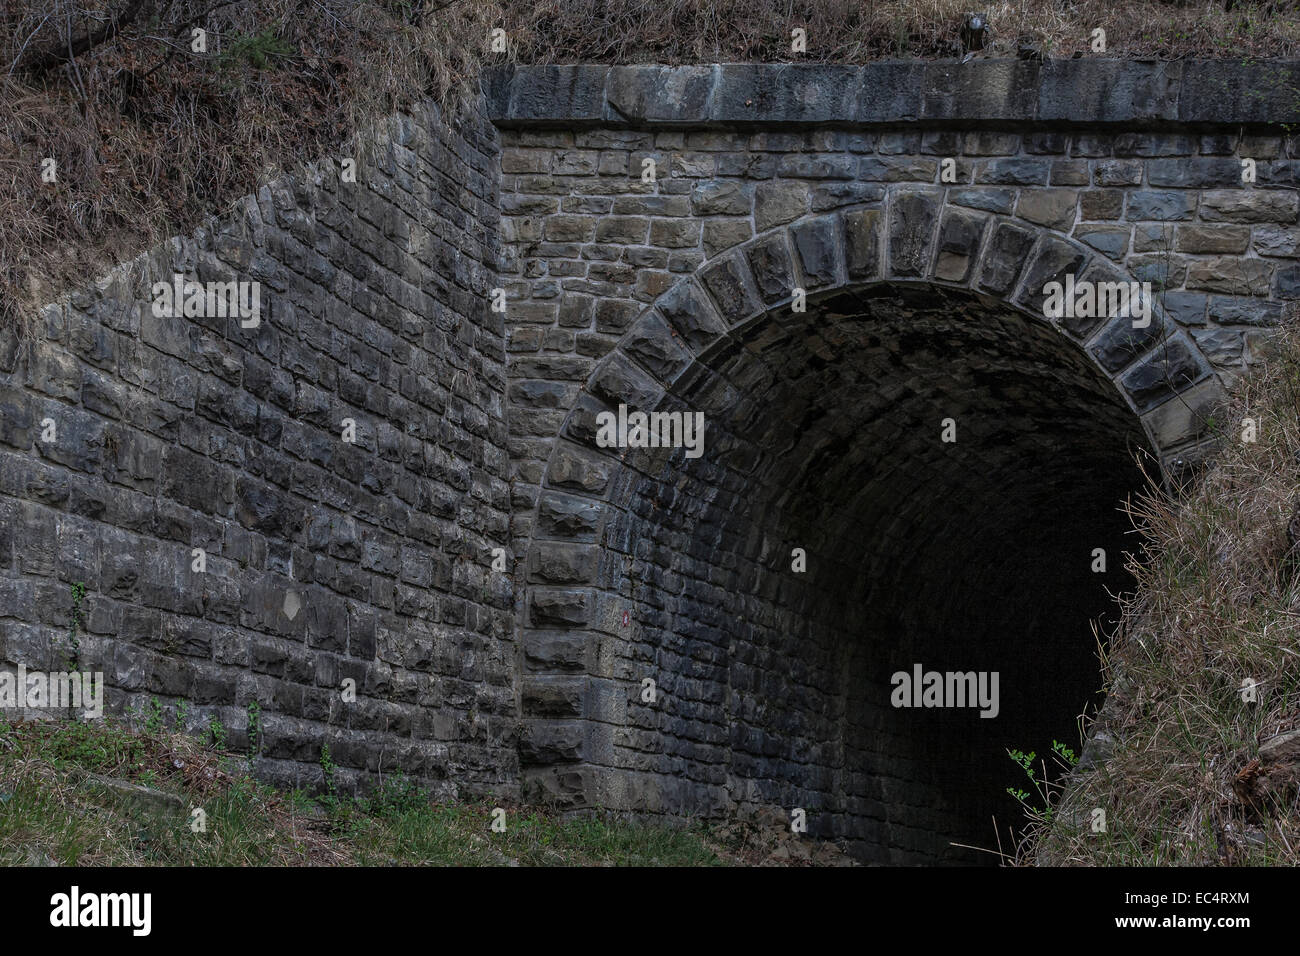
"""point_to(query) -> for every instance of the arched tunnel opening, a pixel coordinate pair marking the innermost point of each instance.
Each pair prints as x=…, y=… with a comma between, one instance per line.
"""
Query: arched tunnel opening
x=825, y=433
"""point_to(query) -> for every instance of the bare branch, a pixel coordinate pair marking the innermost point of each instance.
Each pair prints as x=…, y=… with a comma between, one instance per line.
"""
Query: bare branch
x=59, y=55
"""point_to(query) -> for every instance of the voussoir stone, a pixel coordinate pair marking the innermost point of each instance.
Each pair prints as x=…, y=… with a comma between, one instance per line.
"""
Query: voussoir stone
x=769, y=258
x=728, y=283
x=651, y=343
x=862, y=231
x=817, y=243
x=912, y=219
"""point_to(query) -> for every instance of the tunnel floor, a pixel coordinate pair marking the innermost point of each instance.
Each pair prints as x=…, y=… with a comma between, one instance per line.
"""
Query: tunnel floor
x=826, y=433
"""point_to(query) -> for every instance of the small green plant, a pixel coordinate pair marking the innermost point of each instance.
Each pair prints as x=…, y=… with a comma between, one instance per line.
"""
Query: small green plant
x=254, y=732
x=73, y=659
x=395, y=796
x=153, y=723
x=327, y=766
x=255, y=50
x=1065, y=753
x=217, y=731
x=182, y=714
x=95, y=746
x=1041, y=809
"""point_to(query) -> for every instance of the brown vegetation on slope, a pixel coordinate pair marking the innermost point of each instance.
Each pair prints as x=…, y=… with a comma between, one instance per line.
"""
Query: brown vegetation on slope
x=1196, y=759
x=149, y=136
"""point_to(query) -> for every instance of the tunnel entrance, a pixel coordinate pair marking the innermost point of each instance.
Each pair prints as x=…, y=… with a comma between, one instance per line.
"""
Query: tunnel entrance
x=825, y=434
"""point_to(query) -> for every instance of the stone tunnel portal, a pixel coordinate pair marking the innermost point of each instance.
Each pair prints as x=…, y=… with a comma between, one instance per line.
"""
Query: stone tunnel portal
x=825, y=432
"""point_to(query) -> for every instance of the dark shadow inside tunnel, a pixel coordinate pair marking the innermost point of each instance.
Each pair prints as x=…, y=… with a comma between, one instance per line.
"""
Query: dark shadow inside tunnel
x=825, y=433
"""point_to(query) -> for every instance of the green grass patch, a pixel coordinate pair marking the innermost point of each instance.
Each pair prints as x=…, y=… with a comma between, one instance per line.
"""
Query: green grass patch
x=68, y=797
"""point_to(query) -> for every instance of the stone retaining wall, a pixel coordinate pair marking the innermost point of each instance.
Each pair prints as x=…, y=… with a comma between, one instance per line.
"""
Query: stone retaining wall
x=327, y=561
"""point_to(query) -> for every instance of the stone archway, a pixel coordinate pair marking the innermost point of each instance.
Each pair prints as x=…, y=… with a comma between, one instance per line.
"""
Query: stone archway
x=644, y=565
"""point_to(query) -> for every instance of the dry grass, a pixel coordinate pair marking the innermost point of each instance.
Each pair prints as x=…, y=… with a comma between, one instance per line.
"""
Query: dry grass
x=1217, y=604
x=690, y=31
x=149, y=138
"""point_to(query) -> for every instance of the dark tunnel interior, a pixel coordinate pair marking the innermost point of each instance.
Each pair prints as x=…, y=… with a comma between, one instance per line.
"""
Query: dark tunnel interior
x=824, y=432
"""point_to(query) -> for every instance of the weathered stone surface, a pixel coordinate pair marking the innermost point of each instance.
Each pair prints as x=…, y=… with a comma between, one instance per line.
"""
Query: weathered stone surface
x=651, y=344
x=618, y=381
x=1244, y=310
x=689, y=313
x=557, y=92
x=773, y=270
x=1273, y=241
x=1021, y=171
x=1053, y=261
x=328, y=552
x=657, y=94
x=911, y=227
x=555, y=563
x=1109, y=240
x=730, y=286
x=1288, y=283
x=1107, y=283
x=991, y=200
x=1224, y=274
x=775, y=203
x=559, y=608
x=1006, y=256
x=1171, y=367
x=554, y=696
x=1211, y=239
x=1118, y=172
x=1185, y=307
x=1122, y=340
x=1223, y=347
x=834, y=195
x=574, y=467
x=1101, y=204
x=552, y=742
x=1055, y=208
x=1102, y=90
x=1090, y=90
x=567, y=516
x=1160, y=205
x=720, y=198
x=959, y=245
x=1187, y=420
x=816, y=242
x=1250, y=205
x=862, y=230
x=721, y=234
